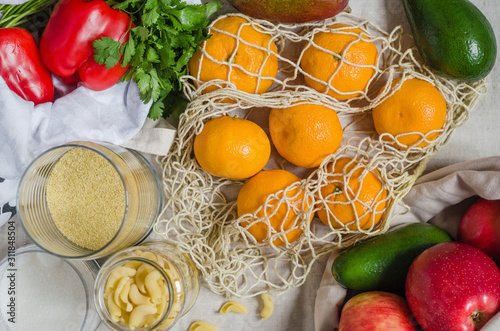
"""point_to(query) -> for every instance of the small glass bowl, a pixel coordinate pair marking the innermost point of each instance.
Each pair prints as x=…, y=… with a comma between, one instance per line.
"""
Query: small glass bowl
x=32, y=282
x=146, y=265
x=143, y=201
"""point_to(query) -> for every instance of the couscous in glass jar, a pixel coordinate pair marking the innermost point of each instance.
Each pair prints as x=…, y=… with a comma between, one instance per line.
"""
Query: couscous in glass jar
x=87, y=200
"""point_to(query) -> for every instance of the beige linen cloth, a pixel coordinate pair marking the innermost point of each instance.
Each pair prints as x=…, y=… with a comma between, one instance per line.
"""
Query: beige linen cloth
x=440, y=197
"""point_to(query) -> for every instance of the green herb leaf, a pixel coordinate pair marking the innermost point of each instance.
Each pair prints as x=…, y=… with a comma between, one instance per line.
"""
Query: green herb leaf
x=121, y=5
x=141, y=32
x=150, y=17
x=138, y=58
x=189, y=17
x=107, y=51
x=152, y=55
x=156, y=110
x=129, y=52
x=166, y=35
x=151, y=4
x=142, y=79
x=211, y=8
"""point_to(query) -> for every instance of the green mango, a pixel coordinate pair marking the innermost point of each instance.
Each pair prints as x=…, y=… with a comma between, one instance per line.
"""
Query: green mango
x=290, y=11
x=453, y=37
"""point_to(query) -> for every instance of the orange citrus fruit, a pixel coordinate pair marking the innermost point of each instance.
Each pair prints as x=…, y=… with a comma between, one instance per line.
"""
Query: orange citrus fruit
x=354, y=73
x=413, y=111
x=281, y=218
x=305, y=134
x=255, y=53
x=232, y=147
x=353, y=193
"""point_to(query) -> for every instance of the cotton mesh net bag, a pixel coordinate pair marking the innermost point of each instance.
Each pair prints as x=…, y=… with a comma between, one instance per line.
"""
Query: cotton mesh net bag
x=200, y=215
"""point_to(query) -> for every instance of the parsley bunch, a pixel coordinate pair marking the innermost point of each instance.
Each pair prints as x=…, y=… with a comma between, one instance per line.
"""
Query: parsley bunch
x=166, y=35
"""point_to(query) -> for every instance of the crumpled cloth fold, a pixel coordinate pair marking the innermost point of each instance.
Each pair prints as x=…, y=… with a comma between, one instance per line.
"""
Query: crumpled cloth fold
x=116, y=115
x=440, y=197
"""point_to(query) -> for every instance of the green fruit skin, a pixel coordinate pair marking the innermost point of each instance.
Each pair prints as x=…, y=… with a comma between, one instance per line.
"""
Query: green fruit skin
x=382, y=262
x=290, y=11
x=453, y=37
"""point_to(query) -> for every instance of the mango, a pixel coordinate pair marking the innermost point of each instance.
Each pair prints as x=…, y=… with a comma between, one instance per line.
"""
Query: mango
x=290, y=11
x=453, y=37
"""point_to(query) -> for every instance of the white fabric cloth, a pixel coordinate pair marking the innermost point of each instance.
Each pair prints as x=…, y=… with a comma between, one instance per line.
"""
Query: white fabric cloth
x=116, y=115
x=12, y=2
x=441, y=198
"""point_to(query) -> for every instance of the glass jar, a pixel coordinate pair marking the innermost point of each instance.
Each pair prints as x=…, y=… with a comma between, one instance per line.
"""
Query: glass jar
x=48, y=220
x=146, y=287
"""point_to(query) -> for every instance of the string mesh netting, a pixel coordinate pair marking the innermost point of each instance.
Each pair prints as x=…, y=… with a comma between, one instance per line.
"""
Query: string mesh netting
x=200, y=215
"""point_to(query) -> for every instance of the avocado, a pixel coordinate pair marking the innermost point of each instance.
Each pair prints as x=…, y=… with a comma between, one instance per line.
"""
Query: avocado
x=382, y=262
x=453, y=37
x=290, y=11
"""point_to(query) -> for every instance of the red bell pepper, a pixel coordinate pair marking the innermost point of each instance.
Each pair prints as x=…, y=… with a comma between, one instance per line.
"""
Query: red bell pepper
x=22, y=68
x=66, y=43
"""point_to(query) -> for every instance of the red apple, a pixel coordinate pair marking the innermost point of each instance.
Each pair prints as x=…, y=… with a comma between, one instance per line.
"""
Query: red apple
x=480, y=227
x=376, y=311
x=453, y=286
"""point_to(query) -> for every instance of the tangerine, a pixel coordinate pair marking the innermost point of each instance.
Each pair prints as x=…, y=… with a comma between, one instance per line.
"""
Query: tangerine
x=254, y=51
x=232, y=147
x=342, y=59
x=354, y=196
x=278, y=216
x=414, y=112
x=305, y=134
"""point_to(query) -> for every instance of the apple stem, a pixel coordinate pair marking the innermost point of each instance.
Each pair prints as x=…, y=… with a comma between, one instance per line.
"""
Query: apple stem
x=477, y=318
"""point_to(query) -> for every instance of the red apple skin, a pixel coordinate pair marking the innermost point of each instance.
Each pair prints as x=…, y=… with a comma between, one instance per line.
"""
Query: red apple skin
x=376, y=311
x=480, y=227
x=453, y=286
